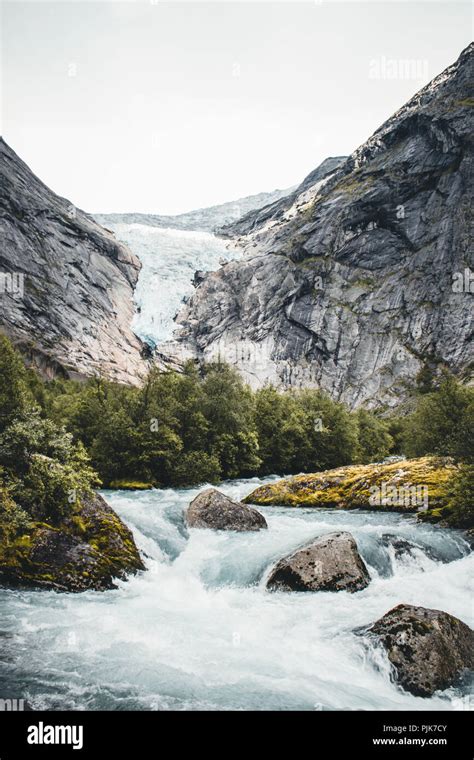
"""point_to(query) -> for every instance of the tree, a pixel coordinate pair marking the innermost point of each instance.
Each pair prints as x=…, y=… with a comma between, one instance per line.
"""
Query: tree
x=374, y=439
x=228, y=407
x=14, y=394
x=443, y=422
x=460, y=498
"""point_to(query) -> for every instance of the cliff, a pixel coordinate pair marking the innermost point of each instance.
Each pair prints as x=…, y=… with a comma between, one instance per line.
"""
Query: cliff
x=66, y=284
x=353, y=284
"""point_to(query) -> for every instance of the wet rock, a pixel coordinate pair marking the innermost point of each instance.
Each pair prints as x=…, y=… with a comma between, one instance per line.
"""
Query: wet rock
x=212, y=509
x=331, y=563
x=87, y=551
x=405, y=486
x=429, y=649
x=403, y=547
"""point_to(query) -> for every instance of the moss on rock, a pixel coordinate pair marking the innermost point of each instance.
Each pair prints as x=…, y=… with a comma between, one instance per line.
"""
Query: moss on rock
x=131, y=485
x=355, y=487
x=88, y=550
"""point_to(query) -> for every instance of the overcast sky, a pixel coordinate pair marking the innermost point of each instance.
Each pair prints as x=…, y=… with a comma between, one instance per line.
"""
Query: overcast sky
x=168, y=106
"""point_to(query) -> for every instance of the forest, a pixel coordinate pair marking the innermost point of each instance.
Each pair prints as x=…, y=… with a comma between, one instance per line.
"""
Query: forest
x=61, y=438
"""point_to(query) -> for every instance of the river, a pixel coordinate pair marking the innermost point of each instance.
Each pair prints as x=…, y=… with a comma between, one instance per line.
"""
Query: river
x=198, y=630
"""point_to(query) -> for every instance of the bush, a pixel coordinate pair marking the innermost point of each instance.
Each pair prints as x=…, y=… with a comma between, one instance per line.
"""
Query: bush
x=50, y=490
x=14, y=393
x=374, y=439
x=443, y=423
x=460, y=498
x=13, y=519
x=197, y=467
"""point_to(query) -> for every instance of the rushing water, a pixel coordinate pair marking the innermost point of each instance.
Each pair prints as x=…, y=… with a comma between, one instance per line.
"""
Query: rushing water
x=169, y=258
x=198, y=630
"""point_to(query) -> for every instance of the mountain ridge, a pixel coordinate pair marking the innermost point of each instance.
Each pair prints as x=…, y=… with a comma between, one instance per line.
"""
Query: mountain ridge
x=206, y=219
x=351, y=289
x=73, y=312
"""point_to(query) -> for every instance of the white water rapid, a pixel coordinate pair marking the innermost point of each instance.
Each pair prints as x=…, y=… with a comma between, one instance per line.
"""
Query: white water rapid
x=198, y=630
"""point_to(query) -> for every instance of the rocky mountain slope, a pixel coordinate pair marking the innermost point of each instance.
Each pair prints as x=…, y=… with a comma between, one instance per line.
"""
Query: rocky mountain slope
x=66, y=284
x=203, y=219
x=256, y=218
x=353, y=285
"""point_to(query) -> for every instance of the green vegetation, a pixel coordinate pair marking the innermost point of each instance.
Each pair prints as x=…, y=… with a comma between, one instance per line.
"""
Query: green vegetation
x=204, y=425
x=43, y=470
x=443, y=424
x=438, y=436
x=58, y=439
x=399, y=485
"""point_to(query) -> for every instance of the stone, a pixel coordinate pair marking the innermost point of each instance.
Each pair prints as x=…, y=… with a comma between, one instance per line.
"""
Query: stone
x=348, y=286
x=330, y=563
x=212, y=509
x=86, y=551
x=429, y=649
x=72, y=315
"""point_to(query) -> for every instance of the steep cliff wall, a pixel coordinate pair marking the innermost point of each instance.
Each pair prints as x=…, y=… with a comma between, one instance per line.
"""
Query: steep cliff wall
x=66, y=284
x=354, y=285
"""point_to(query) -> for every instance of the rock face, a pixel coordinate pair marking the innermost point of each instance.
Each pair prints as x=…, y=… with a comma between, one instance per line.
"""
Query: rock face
x=362, y=279
x=66, y=284
x=85, y=552
x=212, y=509
x=257, y=218
x=331, y=563
x=428, y=649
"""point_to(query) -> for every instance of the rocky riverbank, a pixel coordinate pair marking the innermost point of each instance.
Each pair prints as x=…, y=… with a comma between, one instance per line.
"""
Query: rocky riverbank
x=87, y=550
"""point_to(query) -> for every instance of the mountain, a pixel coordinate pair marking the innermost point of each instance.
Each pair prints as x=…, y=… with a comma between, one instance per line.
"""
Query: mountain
x=66, y=284
x=353, y=283
x=203, y=219
x=258, y=217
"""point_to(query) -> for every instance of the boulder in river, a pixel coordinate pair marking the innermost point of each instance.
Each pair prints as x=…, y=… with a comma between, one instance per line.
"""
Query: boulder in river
x=212, y=509
x=402, y=486
x=87, y=550
x=330, y=563
x=429, y=649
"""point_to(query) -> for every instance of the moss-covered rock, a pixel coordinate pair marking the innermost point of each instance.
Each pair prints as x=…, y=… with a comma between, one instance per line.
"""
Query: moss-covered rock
x=410, y=485
x=131, y=485
x=85, y=551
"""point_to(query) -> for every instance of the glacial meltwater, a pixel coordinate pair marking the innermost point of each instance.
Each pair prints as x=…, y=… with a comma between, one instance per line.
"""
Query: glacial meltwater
x=198, y=630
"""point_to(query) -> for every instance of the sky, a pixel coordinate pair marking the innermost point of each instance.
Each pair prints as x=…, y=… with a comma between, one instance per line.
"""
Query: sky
x=163, y=107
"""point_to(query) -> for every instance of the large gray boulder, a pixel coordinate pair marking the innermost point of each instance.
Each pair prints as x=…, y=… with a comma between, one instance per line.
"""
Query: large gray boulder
x=429, y=649
x=212, y=509
x=331, y=563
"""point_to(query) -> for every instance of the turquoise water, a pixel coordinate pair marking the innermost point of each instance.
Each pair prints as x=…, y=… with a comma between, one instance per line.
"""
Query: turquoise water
x=198, y=630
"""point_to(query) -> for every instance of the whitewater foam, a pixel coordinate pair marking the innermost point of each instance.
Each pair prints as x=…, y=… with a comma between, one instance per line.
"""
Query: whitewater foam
x=199, y=630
